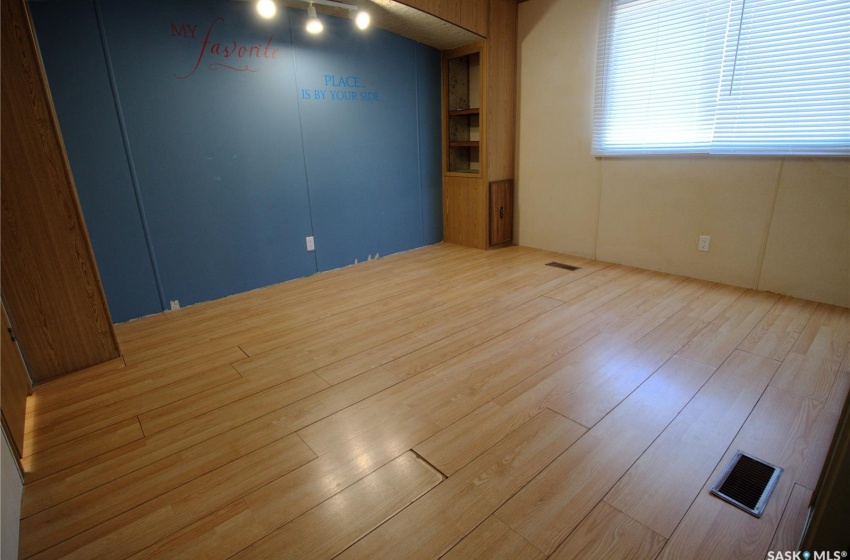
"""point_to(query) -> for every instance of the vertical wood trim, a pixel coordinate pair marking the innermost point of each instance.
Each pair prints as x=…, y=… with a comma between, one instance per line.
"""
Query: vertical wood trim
x=50, y=281
x=16, y=387
x=501, y=89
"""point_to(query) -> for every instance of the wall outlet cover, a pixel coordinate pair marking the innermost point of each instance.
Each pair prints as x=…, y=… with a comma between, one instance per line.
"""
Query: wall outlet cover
x=704, y=242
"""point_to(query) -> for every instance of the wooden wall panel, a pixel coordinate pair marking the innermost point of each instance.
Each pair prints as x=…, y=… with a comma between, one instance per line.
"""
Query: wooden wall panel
x=15, y=385
x=469, y=14
x=50, y=282
x=465, y=211
x=501, y=89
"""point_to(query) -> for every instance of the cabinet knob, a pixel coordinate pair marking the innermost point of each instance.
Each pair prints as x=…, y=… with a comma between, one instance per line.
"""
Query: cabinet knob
x=501, y=211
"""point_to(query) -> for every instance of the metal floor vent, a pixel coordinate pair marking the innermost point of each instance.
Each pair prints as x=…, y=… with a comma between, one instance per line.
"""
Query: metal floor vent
x=747, y=483
x=562, y=265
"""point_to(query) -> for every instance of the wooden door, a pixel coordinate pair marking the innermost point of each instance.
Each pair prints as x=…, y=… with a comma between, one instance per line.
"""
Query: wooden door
x=16, y=386
x=501, y=212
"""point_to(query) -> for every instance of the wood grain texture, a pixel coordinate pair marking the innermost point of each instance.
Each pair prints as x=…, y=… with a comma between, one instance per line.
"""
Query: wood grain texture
x=16, y=387
x=50, y=282
x=465, y=211
x=812, y=364
x=145, y=524
x=439, y=520
x=456, y=353
x=774, y=336
x=500, y=80
x=841, y=386
x=780, y=431
x=493, y=540
x=334, y=525
x=657, y=490
x=609, y=533
x=76, y=451
x=501, y=212
x=555, y=502
x=717, y=341
x=215, y=431
x=790, y=531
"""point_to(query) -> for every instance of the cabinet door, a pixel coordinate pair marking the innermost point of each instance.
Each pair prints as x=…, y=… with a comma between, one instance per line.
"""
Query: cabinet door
x=501, y=212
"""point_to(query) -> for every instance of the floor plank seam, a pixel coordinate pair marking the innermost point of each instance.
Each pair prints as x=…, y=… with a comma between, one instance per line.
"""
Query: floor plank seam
x=717, y=463
x=84, y=460
x=156, y=496
x=562, y=415
x=427, y=462
x=168, y=456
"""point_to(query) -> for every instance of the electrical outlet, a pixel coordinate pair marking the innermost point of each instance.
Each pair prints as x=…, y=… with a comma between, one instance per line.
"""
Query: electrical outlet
x=704, y=242
x=175, y=304
x=311, y=244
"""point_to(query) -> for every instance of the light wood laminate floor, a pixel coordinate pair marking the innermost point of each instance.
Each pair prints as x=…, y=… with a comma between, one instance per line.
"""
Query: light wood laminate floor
x=444, y=402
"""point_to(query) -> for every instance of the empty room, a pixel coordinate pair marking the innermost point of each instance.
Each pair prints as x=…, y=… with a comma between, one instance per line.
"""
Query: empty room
x=382, y=279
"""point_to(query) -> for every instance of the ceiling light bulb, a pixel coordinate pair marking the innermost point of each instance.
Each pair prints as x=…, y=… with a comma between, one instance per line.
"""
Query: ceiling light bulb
x=314, y=25
x=362, y=19
x=266, y=8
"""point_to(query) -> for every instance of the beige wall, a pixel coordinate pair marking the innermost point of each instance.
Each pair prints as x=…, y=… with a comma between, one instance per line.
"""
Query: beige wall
x=11, y=490
x=776, y=224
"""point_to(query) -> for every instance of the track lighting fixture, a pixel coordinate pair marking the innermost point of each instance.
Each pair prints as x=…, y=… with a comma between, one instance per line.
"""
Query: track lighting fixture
x=268, y=9
x=314, y=24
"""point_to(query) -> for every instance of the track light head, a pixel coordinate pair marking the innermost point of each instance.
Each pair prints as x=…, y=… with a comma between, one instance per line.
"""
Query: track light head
x=314, y=24
x=266, y=8
x=362, y=19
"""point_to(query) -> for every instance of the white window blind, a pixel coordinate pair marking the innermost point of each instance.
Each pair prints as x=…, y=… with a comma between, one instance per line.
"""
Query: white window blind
x=724, y=76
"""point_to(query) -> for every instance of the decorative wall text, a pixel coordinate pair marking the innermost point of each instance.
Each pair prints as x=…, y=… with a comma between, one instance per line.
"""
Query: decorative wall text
x=229, y=55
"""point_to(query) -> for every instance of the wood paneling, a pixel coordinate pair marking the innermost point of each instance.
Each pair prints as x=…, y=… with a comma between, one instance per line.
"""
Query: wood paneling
x=487, y=364
x=501, y=81
x=464, y=221
x=16, y=387
x=469, y=14
x=465, y=211
x=50, y=281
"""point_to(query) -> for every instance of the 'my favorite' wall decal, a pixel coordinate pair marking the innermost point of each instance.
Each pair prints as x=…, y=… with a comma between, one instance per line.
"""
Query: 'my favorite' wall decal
x=226, y=54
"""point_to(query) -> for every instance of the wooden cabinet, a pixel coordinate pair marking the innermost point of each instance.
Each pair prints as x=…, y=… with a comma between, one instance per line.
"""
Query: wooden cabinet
x=501, y=212
x=463, y=102
x=479, y=105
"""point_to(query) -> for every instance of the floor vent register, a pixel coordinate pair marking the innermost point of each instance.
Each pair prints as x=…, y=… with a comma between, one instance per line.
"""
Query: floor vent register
x=747, y=483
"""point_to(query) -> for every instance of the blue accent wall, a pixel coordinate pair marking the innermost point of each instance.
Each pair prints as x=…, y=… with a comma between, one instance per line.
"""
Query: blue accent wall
x=74, y=60
x=207, y=143
x=428, y=68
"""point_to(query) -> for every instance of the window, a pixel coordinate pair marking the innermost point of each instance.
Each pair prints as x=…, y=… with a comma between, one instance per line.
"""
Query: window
x=724, y=77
